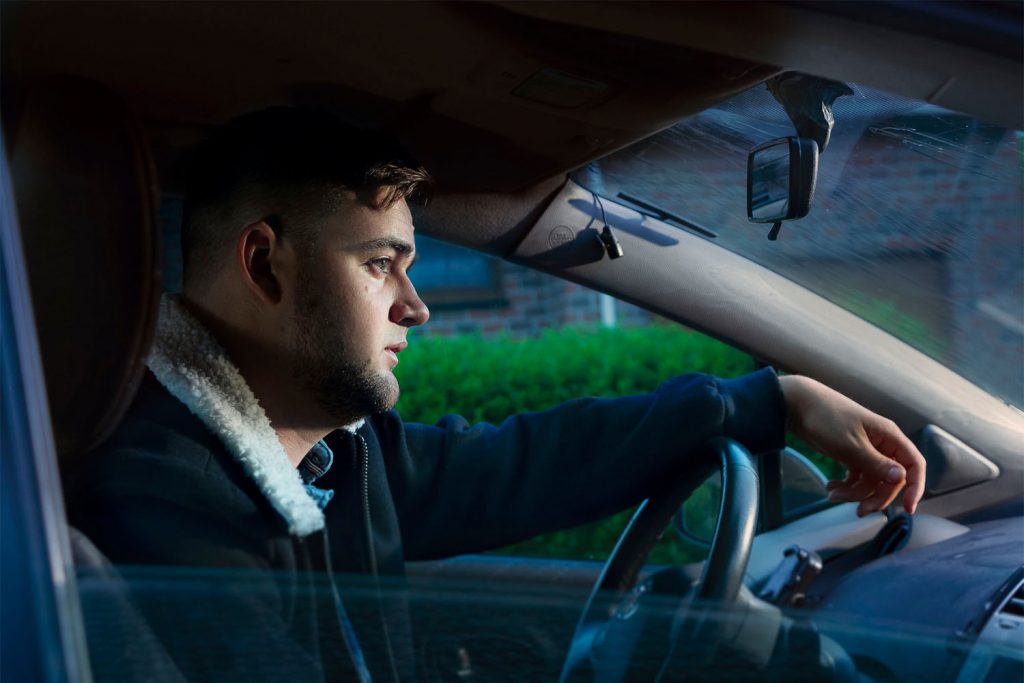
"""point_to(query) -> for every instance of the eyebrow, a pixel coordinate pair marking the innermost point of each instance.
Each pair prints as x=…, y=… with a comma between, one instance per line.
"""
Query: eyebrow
x=395, y=244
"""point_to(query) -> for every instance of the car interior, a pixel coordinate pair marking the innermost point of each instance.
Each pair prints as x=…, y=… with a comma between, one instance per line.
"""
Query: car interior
x=502, y=101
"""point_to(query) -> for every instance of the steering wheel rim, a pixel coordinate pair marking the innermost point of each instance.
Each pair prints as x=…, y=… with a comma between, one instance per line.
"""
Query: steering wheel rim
x=722, y=576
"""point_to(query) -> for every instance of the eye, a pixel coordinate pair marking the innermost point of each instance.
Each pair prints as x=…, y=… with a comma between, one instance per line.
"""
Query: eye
x=381, y=265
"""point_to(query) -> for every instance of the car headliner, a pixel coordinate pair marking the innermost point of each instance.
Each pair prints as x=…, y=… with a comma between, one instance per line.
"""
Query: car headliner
x=469, y=86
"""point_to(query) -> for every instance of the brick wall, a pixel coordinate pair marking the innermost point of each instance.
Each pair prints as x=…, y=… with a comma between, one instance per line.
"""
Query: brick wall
x=532, y=302
x=917, y=222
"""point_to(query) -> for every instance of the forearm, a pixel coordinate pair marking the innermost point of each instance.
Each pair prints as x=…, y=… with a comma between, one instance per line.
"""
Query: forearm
x=482, y=486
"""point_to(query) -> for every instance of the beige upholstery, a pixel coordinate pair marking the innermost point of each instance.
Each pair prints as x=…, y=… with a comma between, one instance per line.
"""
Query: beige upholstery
x=87, y=200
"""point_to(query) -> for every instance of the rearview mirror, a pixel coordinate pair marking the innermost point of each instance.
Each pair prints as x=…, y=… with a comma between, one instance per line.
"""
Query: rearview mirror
x=781, y=175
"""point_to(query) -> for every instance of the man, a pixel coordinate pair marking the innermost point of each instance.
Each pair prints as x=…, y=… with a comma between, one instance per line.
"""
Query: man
x=264, y=441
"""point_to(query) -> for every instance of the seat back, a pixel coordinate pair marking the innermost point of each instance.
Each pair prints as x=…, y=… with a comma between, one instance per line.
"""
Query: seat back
x=87, y=198
x=86, y=195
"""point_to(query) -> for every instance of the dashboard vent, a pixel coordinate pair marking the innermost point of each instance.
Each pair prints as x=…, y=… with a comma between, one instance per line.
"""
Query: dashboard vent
x=893, y=536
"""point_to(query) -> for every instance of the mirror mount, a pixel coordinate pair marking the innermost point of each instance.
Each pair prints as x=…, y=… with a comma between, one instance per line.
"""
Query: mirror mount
x=808, y=103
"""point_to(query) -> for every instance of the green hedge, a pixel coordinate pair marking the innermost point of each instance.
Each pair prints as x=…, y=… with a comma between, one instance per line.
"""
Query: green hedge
x=490, y=379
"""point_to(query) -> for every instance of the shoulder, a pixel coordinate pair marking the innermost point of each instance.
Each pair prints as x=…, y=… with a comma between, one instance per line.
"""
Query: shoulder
x=157, y=438
x=161, y=457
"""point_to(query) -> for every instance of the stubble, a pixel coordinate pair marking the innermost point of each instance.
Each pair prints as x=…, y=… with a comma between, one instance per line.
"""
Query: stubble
x=325, y=364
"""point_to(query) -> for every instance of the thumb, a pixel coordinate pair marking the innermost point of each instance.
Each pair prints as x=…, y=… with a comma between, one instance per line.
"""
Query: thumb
x=879, y=466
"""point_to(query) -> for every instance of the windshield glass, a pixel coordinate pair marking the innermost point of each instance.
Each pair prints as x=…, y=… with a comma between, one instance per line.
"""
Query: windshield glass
x=915, y=225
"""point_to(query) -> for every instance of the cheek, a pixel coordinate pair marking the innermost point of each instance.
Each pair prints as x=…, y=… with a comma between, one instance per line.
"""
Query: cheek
x=367, y=305
x=358, y=302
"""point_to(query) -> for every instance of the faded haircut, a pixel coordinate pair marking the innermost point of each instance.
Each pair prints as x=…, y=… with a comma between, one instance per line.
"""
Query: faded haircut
x=291, y=168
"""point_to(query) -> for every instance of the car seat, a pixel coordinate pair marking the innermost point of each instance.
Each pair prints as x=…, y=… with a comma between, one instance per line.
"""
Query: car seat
x=86, y=194
x=87, y=198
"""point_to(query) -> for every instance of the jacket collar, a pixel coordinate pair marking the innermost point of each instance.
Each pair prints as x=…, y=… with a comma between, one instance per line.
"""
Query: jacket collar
x=196, y=370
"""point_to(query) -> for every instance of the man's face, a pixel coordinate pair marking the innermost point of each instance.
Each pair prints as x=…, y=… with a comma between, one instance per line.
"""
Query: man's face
x=353, y=308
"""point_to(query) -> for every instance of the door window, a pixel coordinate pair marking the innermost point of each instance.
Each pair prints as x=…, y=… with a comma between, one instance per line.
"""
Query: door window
x=551, y=342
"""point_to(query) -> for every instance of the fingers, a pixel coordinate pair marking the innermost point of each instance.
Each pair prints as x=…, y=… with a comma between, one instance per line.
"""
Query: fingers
x=915, y=489
x=881, y=464
x=916, y=469
x=857, y=488
x=894, y=444
x=865, y=489
x=874, y=478
x=880, y=499
x=850, y=479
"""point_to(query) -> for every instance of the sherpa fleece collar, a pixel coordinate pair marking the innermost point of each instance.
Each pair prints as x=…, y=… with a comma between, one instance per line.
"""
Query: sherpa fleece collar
x=196, y=370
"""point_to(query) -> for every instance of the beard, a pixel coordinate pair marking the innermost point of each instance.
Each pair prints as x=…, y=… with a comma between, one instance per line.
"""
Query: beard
x=327, y=367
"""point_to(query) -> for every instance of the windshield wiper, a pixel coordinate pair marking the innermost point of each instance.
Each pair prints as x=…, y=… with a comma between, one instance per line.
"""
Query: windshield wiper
x=652, y=211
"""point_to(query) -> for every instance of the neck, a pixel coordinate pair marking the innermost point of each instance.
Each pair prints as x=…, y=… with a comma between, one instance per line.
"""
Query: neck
x=297, y=420
x=297, y=442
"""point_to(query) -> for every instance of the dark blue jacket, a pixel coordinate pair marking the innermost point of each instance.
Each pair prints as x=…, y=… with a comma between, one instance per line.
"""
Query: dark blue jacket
x=256, y=603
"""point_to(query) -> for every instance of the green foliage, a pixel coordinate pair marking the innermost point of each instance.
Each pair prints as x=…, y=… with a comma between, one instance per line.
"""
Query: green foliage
x=696, y=519
x=488, y=379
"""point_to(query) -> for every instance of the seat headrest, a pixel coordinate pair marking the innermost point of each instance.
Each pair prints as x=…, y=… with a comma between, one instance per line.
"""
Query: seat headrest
x=87, y=199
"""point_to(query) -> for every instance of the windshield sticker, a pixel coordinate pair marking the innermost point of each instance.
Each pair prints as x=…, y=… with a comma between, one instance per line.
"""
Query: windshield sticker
x=560, y=235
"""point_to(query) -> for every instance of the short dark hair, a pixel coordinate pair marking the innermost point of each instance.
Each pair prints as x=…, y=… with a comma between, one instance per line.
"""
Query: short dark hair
x=290, y=167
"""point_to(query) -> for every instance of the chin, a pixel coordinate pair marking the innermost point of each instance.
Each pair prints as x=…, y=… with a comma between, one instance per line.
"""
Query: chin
x=391, y=391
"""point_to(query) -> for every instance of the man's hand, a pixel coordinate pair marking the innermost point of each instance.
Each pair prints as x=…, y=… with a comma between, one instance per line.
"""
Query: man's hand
x=878, y=457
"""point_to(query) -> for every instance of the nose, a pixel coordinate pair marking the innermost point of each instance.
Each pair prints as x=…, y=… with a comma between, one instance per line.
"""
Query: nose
x=408, y=309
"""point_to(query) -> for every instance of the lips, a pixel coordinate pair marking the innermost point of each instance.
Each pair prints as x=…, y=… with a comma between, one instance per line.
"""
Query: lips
x=393, y=351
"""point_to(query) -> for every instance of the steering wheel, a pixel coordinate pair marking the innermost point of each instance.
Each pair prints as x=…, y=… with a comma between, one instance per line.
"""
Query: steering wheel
x=723, y=572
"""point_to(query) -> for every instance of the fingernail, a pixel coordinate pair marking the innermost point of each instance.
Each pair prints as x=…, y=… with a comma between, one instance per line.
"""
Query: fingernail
x=895, y=474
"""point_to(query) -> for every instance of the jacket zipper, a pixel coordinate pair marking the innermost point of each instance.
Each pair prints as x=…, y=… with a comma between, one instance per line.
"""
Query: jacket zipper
x=364, y=464
x=348, y=632
x=372, y=553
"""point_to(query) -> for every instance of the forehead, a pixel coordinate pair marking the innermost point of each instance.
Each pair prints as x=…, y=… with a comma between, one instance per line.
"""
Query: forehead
x=356, y=223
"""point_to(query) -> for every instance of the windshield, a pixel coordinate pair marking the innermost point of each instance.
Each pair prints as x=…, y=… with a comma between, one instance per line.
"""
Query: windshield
x=916, y=222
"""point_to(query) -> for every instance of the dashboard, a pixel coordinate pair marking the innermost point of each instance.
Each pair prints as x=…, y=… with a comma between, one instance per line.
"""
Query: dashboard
x=948, y=611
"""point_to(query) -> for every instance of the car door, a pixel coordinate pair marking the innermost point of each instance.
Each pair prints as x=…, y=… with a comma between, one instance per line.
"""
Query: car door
x=41, y=628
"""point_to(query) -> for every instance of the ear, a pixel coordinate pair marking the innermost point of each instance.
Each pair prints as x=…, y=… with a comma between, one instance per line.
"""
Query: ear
x=257, y=252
